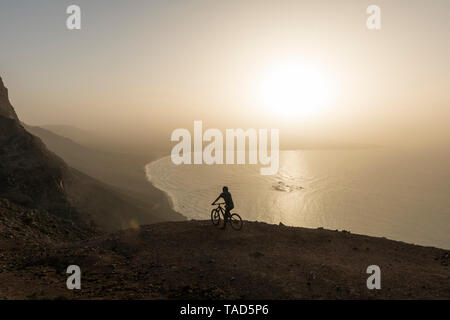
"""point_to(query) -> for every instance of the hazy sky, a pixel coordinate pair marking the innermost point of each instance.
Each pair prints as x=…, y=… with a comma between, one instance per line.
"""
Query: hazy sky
x=143, y=68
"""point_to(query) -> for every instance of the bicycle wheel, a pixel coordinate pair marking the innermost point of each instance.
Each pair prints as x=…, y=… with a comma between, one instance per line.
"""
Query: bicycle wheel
x=215, y=217
x=236, y=221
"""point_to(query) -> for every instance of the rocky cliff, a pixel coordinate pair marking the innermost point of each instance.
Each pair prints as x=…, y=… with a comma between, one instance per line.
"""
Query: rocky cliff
x=30, y=175
x=6, y=109
x=35, y=178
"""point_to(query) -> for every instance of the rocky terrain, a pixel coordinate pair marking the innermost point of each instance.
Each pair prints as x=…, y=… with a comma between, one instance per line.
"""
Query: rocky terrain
x=195, y=260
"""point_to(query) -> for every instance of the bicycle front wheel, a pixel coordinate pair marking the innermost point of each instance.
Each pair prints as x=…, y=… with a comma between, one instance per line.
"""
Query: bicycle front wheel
x=236, y=221
x=215, y=217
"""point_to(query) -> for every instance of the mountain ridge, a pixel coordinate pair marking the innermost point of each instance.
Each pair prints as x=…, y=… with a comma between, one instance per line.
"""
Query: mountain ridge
x=36, y=178
x=124, y=173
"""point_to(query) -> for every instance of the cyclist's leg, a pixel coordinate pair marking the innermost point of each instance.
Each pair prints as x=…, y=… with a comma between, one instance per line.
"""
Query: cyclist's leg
x=227, y=214
x=229, y=210
x=225, y=217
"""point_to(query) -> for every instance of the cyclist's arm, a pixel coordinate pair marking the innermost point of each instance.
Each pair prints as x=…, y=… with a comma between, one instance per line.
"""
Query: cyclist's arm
x=216, y=200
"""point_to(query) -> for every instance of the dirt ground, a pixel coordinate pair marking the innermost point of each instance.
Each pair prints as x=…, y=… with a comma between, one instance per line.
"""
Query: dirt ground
x=195, y=260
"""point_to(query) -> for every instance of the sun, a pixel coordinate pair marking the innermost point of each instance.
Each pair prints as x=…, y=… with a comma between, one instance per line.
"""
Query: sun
x=295, y=89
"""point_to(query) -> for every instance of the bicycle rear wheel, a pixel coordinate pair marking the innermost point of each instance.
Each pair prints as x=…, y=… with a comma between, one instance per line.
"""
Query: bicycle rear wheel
x=215, y=217
x=236, y=221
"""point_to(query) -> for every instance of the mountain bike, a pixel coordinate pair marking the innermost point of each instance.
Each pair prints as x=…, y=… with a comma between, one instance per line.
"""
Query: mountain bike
x=218, y=214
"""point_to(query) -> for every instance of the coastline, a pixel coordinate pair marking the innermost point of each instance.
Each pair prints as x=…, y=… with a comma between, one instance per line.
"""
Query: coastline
x=169, y=197
x=163, y=181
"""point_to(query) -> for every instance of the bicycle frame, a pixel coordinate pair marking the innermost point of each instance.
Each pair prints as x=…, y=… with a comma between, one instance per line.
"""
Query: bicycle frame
x=222, y=210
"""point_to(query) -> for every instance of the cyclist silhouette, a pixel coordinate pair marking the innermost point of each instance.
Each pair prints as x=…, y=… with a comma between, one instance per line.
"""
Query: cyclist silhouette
x=229, y=205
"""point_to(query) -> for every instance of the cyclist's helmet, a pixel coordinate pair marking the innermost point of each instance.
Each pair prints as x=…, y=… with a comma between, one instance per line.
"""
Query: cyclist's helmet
x=225, y=189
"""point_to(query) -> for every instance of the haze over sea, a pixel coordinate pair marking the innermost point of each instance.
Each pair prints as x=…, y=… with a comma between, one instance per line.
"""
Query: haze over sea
x=398, y=194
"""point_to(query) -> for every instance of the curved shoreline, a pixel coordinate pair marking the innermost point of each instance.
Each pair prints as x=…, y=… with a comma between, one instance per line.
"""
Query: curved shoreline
x=170, y=198
x=166, y=182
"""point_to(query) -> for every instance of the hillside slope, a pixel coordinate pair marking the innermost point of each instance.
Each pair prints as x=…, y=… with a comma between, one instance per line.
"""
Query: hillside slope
x=36, y=178
x=30, y=175
x=195, y=260
x=123, y=172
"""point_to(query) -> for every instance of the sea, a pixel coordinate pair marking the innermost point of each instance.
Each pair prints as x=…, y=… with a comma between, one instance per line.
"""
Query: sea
x=399, y=194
